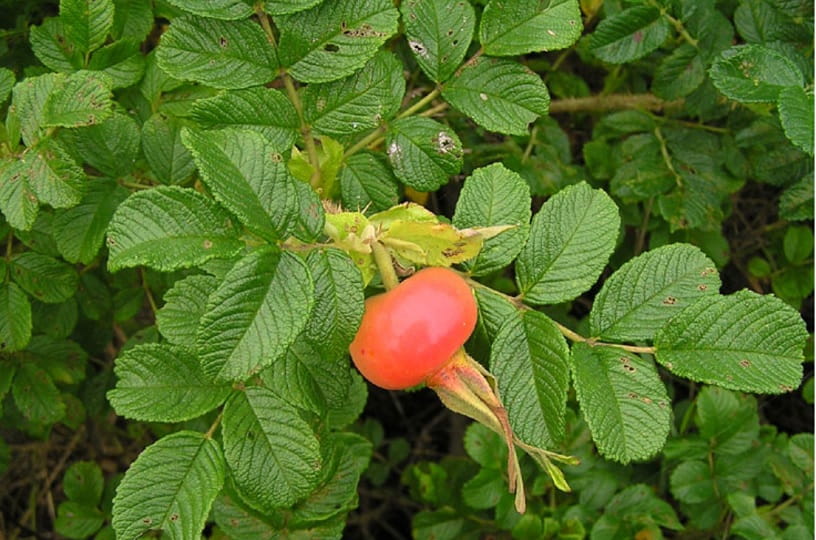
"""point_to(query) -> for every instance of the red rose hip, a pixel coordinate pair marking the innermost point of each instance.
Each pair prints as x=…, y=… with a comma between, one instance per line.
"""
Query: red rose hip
x=408, y=333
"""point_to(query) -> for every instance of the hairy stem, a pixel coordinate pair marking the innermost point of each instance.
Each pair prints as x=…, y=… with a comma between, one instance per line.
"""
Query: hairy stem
x=611, y=102
x=385, y=265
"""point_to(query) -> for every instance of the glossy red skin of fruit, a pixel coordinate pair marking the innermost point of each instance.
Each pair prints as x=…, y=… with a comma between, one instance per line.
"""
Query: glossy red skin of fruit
x=411, y=331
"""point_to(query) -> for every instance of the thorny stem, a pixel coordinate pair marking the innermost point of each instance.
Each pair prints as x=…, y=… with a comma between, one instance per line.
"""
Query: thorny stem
x=385, y=265
x=566, y=332
x=294, y=97
x=611, y=102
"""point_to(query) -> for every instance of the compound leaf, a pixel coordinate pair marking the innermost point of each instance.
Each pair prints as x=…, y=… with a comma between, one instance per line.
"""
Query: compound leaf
x=223, y=54
x=530, y=359
x=334, y=39
x=743, y=341
x=15, y=318
x=495, y=195
x=86, y=22
x=630, y=34
x=184, y=304
x=650, y=289
x=366, y=181
x=36, y=395
x=261, y=109
x=248, y=176
x=43, y=277
x=158, y=382
x=170, y=487
x=623, y=401
x=423, y=152
x=570, y=240
x=227, y=10
x=80, y=231
x=50, y=46
x=796, y=113
x=255, y=314
x=358, y=102
x=512, y=27
x=273, y=455
x=439, y=34
x=500, y=95
x=753, y=74
x=168, y=228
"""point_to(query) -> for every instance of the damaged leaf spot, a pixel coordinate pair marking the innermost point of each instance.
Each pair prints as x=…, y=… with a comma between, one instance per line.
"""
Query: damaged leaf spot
x=223, y=41
x=208, y=244
x=444, y=143
x=418, y=48
x=331, y=47
x=482, y=96
x=745, y=363
x=670, y=300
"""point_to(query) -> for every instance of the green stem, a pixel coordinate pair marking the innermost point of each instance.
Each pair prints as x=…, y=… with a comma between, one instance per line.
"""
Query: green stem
x=294, y=97
x=611, y=102
x=641, y=236
x=664, y=151
x=385, y=265
x=529, y=148
x=432, y=95
x=566, y=332
x=678, y=26
x=214, y=426
x=365, y=142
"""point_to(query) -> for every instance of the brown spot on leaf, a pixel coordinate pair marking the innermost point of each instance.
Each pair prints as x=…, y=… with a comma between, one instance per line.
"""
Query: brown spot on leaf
x=745, y=362
x=207, y=244
x=670, y=300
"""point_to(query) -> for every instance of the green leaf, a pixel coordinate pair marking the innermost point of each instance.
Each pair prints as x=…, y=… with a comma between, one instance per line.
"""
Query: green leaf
x=63, y=360
x=55, y=320
x=272, y=452
x=121, y=61
x=168, y=228
x=184, y=304
x=87, y=22
x=80, y=231
x=80, y=99
x=743, y=341
x=630, y=34
x=53, y=175
x=111, y=146
x=7, y=80
x=484, y=446
x=691, y=482
x=512, y=27
x=753, y=74
x=307, y=379
x=500, y=95
x=255, y=314
x=36, y=395
x=728, y=421
x=261, y=109
x=679, y=74
x=285, y=7
x=530, y=359
x=348, y=459
x=366, y=181
x=796, y=113
x=163, y=383
x=83, y=483
x=798, y=244
x=650, y=289
x=359, y=102
x=571, y=238
x=623, y=401
x=338, y=306
x=227, y=10
x=132, y=19
x=311, y=217
x=495, y=195
x=248, y=176
x=639, y=504
x=222, y=54
x=423, y=152
x=43, y=277
x=170, y=487
x=484, y=490
x=796, y=202
x=78, y=520
x=18, y=202
x=334, y=39
x=52, y=48
x=764, y=21
x=438, y=33
x=29, y=97
x=164, y=152
x=15, y=318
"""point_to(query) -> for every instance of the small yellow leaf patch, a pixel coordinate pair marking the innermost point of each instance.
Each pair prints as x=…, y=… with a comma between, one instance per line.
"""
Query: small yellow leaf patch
x=430, y=244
